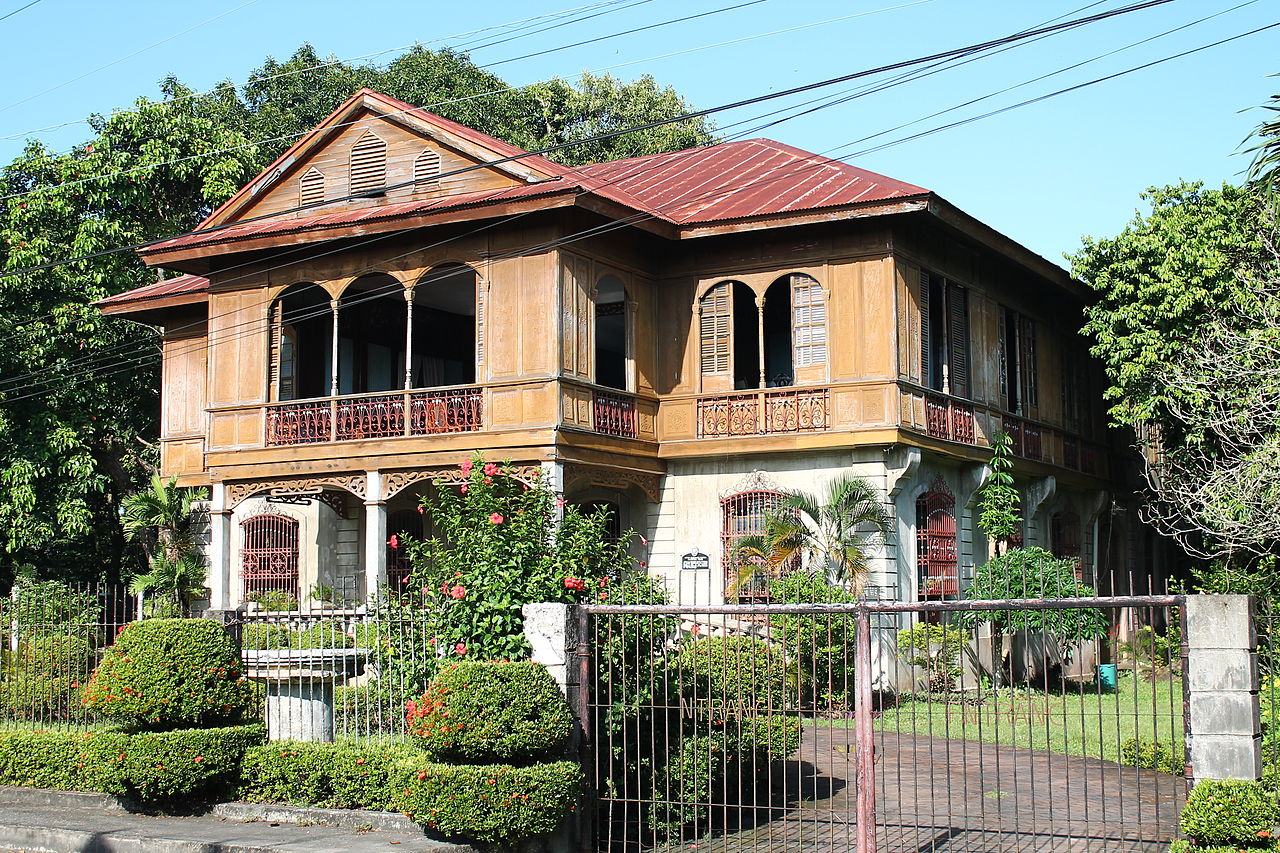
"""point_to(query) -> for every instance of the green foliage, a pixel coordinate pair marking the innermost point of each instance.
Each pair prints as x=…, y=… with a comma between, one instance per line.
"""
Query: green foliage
x=162, y=519
x=936, y=649
x=51, y=607
x=742, y=672
x=631, y=650
x=500, y=548
x=1033, y=573
x=355, y=775
x=1228, y=811
x=999, y=504
x=1151, y=755
x=275, y=600
x=478, y=713
x=170, y=673
x=325, y=634
x=822, y=646
x=146, y=766
x=1150, y=649
x=492, y=803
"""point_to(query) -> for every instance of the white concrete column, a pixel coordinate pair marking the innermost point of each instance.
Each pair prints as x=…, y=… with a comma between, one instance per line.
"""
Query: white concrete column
x=1222, y=688
x=375, y=536
x=219, y=549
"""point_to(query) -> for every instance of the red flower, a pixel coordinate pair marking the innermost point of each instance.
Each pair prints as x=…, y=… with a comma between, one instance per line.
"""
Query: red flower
x=458, y=592
x=488, y=481
x=495, y=518
x=490, y=469
x=463, y=488
x=421, y=510
x=461, y=648
x=560, y=503
x=603, y=582
x=466, y=466
x=394, y=541
x=696, y=629
x=603, y=596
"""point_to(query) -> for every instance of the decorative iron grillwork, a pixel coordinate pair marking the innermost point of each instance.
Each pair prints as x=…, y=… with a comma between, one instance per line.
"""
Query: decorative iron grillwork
x=795, y=411
x=370, y=417
x=744, y=514
x=269, y=555
x=792, y=410
x=614, y=414
x=736, y=414
x=936, y=553
x=299, y=423
x=454, y=410
x=381, y=416
x=948, y=419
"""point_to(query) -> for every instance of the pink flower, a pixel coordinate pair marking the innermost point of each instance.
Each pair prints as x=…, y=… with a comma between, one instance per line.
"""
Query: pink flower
x=495, y=518
x=458, y=592
x=445, y=587
x=488, y=481
x=461, y=648
x=421, y=510
x=603, y=581
x=603, y=596
x=696, y=629
x=406, y=580
x=394, y=542
x=490, y=469
x=463, y=488
x=644, y=564
x=560, y=503
x=466, y=466
x=644, y=541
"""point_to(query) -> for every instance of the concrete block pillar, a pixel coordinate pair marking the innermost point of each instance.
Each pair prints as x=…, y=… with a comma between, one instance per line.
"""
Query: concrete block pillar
x=219, y=549
x=375, y=537
x=1225, y=733
x=548, y=628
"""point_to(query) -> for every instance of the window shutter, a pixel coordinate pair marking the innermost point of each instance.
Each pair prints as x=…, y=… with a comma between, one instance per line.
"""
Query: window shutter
x=1027, y=331
x=368, y=164
x=713, y=332
x=1002, y=346
x=808, y=321
x=480, y=329
x=958, y=310
x=311, y=187
x=926, y=337
x=426, y=170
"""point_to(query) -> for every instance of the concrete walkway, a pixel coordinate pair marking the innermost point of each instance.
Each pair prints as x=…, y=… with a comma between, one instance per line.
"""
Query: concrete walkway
x=64, y=822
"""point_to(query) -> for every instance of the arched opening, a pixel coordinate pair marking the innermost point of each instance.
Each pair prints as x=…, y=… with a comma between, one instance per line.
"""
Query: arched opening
x=613, y=514
x=937, y=558
x=779, y=363
x=371, y=324
x=401, y=523
x=444, y=327
x=611, y=333
x=269, y=556
x=744, y=514
x=746, y=338
x=302, y=340
x=1065, y=530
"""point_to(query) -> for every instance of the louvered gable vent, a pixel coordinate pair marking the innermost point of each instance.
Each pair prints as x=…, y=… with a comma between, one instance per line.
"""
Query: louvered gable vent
x=311, y=187
x=426, y=170
x=368, y=164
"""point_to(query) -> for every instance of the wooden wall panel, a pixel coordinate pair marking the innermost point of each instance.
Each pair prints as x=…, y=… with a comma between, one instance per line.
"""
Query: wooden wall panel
x=238, y=340
x=537, y=317
x=185, y=372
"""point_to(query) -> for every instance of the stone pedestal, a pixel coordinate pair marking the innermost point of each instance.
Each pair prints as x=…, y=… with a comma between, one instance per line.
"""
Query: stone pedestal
x=300, y=688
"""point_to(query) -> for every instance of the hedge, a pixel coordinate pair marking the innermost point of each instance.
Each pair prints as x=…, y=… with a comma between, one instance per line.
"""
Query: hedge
x=510, y=713
x=144, y=766
x=740, y=672
x=491, y=803
x=1229, y=812
x=324, y=775
x=327, y=634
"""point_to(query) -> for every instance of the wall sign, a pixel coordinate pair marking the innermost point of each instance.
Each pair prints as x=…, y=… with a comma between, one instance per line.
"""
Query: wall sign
x=695, y=561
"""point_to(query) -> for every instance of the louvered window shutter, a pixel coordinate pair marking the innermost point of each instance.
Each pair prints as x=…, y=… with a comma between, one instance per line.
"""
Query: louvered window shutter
x=713, y=329
x=808, y=321
x=311, y=187
x=480, y=328
x=1002, y=347
x=1027, y=331
x=958, y=339
x=368, y=164
x=926, y=336
x=426, y=170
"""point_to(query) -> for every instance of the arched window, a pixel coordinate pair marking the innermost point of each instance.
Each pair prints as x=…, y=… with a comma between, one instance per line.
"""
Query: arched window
x=311, y=187
x=790, y=322
x=445, y=327
x=611, y=333
x=1065, y=530
x=401, y=523
x=368, y=164
x=371, y=335
x=744, y=514
x=937, y=563
x=426, y=170
x=302, y=343
x=269, y=556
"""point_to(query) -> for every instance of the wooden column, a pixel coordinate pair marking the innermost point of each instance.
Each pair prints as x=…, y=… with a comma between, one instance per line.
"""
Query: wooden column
x=333, y=353
x=408, y=338
x=760, y=336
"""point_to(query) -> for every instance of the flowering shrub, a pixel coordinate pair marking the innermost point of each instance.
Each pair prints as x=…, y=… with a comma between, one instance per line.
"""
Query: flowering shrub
x=478, y=713
x=170, y=673
x=503, y=543
x=1229, y=812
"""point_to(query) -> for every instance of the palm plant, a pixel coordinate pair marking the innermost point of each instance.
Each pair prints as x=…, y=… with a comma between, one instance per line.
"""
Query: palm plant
x=826, y=535
x=160, y=520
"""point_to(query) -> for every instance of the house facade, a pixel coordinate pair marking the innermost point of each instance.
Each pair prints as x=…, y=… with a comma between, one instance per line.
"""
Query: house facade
x=680, y=337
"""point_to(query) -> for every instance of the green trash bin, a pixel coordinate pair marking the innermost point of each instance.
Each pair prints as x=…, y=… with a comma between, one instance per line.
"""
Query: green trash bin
x=1107, y=676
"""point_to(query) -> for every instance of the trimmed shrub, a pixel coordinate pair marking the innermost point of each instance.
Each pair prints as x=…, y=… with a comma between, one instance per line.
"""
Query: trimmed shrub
x=170, y=673
x=743, y=673
x=820, y=646
x=57, y=654
x=491, y=803
x=476, y=713
x=323, y=775
x=271, y=636
x=1228, y=811
x=42, y=680
x=144, y=766
x=1150, y=755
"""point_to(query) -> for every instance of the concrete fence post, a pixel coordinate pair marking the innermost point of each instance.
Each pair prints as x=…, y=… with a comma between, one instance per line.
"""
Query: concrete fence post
x=1223, y=726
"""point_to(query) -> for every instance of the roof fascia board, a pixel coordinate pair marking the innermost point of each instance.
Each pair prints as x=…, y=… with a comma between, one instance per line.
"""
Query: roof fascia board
x=118, y=309
x=617, y=211
x=807, y=217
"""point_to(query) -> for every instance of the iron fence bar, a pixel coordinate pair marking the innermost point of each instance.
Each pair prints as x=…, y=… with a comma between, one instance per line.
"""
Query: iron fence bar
x=865, y=769
x=1114, y=602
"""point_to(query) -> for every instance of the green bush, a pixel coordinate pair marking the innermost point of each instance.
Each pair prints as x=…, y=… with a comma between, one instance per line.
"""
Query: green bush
x=491, y=712
x=1150, y=755
x=1228, y=811
x=323, y=775
x=270, y=636
x=492, y=803
x=170, y=673
x=740, y=673
x=144, y=766
x=366, y=709
x=42, y=680
x=935, y=649
x=821, y=646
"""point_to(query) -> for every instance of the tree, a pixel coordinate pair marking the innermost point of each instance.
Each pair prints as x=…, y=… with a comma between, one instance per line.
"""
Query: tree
x=78, y=394
x=827, y=535
x=161, y=519
x=1264, y=170
x=999, y=513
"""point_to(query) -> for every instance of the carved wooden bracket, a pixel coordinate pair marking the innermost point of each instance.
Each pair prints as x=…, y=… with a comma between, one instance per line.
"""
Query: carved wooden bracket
x=309, y=486
x=395, y=482
x=611, y=478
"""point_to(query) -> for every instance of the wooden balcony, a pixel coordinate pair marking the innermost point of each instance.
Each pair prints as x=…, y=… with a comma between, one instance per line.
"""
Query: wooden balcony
x=768, y=412
x=388, y=415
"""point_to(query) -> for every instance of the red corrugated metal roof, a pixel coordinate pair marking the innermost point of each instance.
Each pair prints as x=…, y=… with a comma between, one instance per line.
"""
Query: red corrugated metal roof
x=180, y=286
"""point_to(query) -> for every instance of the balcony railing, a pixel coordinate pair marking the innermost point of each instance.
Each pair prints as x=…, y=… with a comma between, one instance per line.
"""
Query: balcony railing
x=949, y=419
x=1026, y=439
x=614, y=414
x=429, y=412
x=764, y=413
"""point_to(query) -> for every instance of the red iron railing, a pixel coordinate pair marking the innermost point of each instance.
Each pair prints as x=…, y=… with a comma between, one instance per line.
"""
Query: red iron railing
x=454, y=410
x=792, y=410
x=614, y=414
x=1071, y=452
x=948, y=419
x=299, y=423
x=375, y=416
x=796, y=410
x=1013, y=427
x=737, y=414
x=1032, y=444
x=370, y=417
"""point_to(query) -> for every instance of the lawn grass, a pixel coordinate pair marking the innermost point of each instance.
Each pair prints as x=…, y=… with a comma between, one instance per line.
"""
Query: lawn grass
x=1072, y=722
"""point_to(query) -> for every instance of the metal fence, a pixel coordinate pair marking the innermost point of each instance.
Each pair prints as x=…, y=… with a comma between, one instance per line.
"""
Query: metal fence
x=890, y=726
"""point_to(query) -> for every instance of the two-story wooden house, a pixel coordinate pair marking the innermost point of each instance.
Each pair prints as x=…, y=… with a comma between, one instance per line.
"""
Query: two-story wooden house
x=679, y=336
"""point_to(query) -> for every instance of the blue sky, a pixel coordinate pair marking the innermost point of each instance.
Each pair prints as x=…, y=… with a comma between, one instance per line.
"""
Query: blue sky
x=1044, y=174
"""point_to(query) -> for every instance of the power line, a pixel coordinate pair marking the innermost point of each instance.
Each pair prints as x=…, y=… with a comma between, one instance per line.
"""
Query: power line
x=19, y=9
x=981, y=46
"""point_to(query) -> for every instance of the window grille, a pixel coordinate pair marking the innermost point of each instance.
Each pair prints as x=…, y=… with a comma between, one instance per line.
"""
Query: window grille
x=808, y=321
x=714, y=312
x=311, y=187
x=426, y=170
x=269, y=555
x=1065, y=530
x=368, y=164
x=937, y=558
x=405, y=522
x=744, y=515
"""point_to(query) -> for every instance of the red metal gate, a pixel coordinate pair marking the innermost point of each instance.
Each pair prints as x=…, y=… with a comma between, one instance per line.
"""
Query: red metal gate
x=269, y=555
